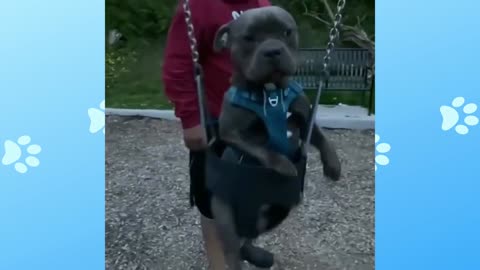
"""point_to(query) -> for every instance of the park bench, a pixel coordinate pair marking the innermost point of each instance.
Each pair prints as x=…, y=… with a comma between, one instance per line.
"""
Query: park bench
x=349, y=70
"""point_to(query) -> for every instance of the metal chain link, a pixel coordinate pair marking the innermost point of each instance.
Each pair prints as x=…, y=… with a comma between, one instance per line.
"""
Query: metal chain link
x=197, y=69
x=190, y=31
x=333, y=34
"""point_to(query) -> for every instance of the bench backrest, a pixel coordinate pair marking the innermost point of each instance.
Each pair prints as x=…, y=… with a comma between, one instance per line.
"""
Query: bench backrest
x=348, y=69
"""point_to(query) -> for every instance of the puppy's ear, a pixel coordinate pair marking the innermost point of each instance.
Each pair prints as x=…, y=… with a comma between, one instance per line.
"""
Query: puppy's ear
x=222, y=38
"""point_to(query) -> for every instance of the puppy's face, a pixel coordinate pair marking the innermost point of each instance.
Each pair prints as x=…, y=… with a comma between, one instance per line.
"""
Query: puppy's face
x=263, y=43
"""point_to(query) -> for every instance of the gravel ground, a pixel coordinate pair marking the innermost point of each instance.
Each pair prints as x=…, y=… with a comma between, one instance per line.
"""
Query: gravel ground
x=149, y=224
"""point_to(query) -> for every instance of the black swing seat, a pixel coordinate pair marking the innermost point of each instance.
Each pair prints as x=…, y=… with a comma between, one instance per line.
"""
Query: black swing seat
x=246, y=187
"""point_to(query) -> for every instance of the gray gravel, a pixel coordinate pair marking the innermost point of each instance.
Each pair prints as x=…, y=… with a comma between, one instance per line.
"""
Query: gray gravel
x=149, y=224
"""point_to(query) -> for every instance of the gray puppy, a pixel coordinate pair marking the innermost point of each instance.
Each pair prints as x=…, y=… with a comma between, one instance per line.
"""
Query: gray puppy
x=263, y=43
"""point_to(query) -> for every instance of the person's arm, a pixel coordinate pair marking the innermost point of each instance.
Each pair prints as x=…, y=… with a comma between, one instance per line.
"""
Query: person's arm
x=179, y=83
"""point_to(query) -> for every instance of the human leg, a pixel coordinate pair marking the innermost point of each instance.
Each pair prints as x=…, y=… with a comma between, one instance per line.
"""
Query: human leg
x=200, y=197
x=212, y=244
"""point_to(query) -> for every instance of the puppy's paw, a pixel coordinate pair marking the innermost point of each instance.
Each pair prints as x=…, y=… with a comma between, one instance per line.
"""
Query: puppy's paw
x=282, y=165
x=332, y=168
x=257, y=256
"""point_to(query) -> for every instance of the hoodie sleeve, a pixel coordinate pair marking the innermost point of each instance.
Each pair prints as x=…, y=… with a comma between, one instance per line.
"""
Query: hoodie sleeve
x=177, y=73
x=264, y=3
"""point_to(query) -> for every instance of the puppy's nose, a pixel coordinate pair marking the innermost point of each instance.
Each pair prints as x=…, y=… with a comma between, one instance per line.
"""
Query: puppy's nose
x=270, y=53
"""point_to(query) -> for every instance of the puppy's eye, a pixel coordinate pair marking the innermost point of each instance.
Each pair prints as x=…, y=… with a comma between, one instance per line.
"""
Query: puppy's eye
x=287, y=32
x=249, y=38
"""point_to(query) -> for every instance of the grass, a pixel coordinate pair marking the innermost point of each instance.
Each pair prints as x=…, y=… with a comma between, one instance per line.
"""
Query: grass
x=134, y=78
x=138, y=94
x=134, y=81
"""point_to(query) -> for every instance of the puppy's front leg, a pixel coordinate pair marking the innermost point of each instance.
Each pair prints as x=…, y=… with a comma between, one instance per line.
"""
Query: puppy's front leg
x=235, y=128
x=300, y=110
x=223, y=216
x=331, y=162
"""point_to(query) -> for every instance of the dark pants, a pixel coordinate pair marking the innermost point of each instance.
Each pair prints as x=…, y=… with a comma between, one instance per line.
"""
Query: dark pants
x=199, y=195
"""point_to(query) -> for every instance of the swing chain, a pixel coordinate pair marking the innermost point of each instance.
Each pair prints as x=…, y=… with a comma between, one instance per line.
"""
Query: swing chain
x=191, y=32
x=197, y=68
x=333, y=34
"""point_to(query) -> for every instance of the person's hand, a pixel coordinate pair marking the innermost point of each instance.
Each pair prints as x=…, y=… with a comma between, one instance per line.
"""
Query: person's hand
x=194, y=138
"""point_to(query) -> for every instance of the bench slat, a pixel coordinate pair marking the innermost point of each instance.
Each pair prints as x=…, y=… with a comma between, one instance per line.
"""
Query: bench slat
x=348, y=69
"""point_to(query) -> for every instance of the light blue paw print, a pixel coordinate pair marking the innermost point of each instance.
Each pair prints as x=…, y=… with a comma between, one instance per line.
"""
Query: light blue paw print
x=15, y=155
x=97, y=118
x=451, y=116
x=381, y=150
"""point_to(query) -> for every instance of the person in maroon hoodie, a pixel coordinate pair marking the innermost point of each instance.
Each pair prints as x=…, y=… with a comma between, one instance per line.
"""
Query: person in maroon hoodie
x=180, y=88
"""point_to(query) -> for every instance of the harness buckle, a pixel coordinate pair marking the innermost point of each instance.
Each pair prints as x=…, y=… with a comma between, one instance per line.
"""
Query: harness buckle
x=273, y=101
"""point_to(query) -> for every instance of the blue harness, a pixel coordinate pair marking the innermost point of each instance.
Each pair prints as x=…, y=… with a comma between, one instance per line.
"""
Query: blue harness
x=271, y=107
